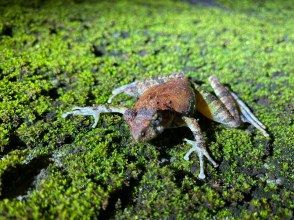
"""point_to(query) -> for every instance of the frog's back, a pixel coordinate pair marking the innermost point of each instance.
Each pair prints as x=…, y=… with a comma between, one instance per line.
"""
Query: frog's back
x=174, y=95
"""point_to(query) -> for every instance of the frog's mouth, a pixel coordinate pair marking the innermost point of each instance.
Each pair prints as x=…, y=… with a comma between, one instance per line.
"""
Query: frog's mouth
x=146, y=133
x=143, y=135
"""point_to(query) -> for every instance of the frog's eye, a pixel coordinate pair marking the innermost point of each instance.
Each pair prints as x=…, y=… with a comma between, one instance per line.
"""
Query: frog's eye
x=156, y=122
x=157, y=118
x=143, y=133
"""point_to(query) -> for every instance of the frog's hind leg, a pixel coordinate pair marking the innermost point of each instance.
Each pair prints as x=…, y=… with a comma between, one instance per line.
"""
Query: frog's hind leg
x=94, y=111
x=198, y=145
x=248, y=116
x=213, y=108
x=236, y=108
x=135, y=89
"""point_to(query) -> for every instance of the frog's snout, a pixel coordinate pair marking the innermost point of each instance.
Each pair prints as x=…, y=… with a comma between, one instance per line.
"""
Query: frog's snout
x=138, y=136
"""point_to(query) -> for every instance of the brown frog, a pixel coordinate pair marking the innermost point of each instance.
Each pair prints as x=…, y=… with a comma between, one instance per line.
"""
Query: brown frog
x=173, y=101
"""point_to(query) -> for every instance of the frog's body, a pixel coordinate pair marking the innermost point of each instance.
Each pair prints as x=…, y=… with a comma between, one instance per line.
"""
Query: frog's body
x=173, y=101
x=171, y=106
x=181, y=100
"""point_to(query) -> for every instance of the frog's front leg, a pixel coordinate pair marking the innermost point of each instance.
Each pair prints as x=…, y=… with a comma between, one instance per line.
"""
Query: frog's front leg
x=198, y=145
x=129, y=89
x=137, y=88
x=95, y=111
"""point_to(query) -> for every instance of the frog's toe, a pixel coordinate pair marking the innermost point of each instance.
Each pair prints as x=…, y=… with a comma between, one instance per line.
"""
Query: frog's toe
x=111, y=98
x=84, y=111
x=64, y=115
x=201, y=176
x=186, y=157
x=201, y=152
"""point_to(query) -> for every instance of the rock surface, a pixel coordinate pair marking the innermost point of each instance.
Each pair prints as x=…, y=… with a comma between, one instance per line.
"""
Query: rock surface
x=58, y=54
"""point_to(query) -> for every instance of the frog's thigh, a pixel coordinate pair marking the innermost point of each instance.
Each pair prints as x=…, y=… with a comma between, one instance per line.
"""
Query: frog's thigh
x=225, y=97
x=212, y=108
x=235, y=105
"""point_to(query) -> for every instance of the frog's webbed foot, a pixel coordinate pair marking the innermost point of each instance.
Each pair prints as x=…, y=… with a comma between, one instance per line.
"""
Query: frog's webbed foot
x=94, y=111
x=198, y=145
x=200, y=152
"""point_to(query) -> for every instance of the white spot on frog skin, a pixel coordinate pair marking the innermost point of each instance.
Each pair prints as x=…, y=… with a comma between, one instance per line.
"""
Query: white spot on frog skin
x=160, y=129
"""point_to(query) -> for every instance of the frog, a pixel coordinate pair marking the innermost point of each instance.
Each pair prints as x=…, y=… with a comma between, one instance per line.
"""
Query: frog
x=173, y=101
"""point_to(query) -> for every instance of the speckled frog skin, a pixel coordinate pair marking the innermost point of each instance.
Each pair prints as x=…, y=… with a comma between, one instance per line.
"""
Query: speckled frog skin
x=174, y=101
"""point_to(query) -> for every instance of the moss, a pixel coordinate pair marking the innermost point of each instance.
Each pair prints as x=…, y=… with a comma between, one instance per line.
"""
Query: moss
x=58, y=54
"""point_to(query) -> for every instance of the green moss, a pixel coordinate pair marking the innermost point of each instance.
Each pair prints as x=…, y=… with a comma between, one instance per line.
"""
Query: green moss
x=58, y=54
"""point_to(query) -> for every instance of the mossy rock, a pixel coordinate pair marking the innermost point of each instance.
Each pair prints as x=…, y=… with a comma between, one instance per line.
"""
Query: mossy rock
x=58, y=54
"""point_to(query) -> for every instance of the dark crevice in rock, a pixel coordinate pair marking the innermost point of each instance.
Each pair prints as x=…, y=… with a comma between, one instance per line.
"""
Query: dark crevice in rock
x=50, y=116
x=208, y=3
x=163, y=157
x=7, y=30
x=17, y=181
x=53, y=30
x=15, y=143
x=263, y=101
x=77, y=18
x=131, y=158
x=234, y=206
x=78, y=1
x=1, y=74
x=269, y=151
x=39, y=117
x=65, y=139
x=98, y=51
x=170, y=138
x=248, y=196
x=99, y=182
x=180, y=175
x=52, y=93
x=125, y=34
x=121, y=198
x=38, y=4
x=158, y=50
x=90, y=98
x=194, y=79
x=278, y=74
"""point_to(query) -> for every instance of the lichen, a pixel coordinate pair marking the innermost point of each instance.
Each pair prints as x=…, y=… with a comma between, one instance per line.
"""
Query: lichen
x=58, y=54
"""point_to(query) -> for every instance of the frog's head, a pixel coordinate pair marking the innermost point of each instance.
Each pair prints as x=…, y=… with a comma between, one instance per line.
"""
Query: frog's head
x=145, y=124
